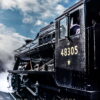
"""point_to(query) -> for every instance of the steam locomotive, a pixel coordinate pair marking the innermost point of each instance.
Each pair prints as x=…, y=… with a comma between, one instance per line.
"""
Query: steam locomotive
x=62, y=62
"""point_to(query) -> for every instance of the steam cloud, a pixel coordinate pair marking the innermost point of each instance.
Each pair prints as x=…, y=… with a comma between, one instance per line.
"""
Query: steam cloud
x=9, y=41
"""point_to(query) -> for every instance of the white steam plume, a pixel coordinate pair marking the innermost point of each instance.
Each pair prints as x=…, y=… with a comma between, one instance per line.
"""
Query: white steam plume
x=9, y=41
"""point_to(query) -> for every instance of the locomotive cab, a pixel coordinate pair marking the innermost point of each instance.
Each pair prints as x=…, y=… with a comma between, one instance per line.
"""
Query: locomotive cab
x=70, y=45
x=77, y=49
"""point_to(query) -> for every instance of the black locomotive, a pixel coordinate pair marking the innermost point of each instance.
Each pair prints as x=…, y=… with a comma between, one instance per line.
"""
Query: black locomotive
x=62, y=63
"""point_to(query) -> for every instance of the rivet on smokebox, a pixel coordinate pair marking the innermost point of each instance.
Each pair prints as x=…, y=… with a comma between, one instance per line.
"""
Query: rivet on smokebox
x=69, y=62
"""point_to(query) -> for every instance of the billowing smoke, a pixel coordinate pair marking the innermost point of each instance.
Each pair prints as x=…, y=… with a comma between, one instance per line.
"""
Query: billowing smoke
x=9, y=41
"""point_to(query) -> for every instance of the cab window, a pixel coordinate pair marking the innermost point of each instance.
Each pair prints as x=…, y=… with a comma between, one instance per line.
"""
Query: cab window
x=74, y=23
x=63, y=28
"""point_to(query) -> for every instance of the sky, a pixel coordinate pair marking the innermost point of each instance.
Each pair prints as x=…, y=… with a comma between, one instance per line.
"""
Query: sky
x=27, y=17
